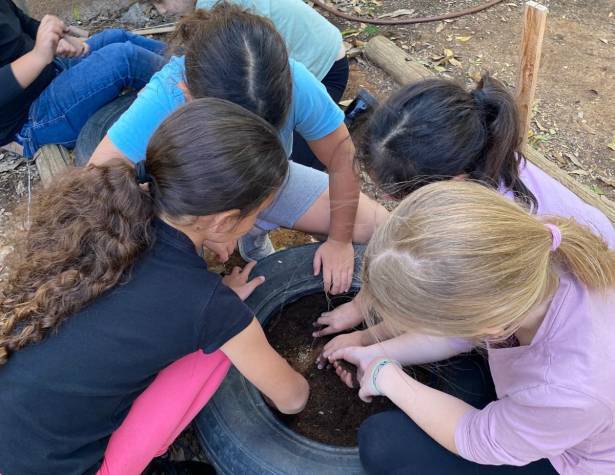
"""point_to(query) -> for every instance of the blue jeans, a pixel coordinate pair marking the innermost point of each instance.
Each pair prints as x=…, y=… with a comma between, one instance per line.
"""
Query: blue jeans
x=391, y=443
x=117, y=59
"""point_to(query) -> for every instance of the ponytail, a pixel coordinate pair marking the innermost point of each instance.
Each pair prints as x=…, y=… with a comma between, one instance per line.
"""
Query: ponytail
x=436, y=130
x=499, y=160
x=86, y=231
x=458, y=259
x=584, y=254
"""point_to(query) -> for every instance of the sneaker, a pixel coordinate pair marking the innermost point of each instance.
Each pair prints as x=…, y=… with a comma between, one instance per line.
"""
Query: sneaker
x=255, y=245
x=363, y=103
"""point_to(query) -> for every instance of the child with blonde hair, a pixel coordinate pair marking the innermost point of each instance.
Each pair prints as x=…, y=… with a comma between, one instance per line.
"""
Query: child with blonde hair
x=457, y=261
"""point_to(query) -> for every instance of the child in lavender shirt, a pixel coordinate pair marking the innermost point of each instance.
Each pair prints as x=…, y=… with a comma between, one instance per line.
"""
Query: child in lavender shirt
x=456, y=259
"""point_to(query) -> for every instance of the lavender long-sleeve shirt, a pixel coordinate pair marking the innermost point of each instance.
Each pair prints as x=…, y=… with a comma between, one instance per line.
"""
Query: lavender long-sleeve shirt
x=556, y=397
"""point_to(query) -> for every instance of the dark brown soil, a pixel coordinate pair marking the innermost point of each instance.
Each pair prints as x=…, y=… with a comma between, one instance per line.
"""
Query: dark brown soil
x=334, y=412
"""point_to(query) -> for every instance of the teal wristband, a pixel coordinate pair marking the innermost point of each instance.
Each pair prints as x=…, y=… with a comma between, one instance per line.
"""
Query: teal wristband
x=376, y=371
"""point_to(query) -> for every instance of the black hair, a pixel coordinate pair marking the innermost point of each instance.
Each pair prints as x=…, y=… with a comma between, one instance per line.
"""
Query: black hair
x=235, y=55
x=435, y=130
x=213, y=156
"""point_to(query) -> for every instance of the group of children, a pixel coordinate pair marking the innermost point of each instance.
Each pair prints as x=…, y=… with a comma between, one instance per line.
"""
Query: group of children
x=114, y=335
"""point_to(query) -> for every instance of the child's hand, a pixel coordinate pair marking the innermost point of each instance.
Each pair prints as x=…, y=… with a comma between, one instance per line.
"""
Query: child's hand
x=71, y=47
x=364, y=360
x=341, y=341
x=50, y=32
x=222, y=249
x=337, y=261
x=238, y=281
x=342, y=318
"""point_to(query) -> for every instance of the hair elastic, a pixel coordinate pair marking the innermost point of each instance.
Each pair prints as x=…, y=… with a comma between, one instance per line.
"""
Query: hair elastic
x=556, y=236
x=141, y=173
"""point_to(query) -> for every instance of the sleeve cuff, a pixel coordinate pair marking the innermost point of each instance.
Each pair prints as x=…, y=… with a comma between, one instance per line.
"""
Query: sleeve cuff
x=462, y=434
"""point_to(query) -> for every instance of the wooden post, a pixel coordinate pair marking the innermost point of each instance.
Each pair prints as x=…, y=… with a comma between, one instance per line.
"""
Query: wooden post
x=394, y=61
x=534, y=24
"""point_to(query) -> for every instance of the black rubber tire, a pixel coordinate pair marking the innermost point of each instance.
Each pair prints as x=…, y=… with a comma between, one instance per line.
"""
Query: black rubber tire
x=237, y=430
x=97, y=126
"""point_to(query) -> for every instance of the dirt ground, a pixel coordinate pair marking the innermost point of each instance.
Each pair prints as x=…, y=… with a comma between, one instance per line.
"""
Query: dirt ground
x=574, y=116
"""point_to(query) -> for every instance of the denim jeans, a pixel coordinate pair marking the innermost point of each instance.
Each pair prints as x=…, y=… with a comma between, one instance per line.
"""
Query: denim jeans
x=391, y=443
x=117, y=59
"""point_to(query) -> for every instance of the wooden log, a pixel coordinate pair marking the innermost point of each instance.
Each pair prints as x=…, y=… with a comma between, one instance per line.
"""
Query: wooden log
x=156, y=30
x=385, y=54
x=52, y=160
x=413, y=71
x=601, y=202
x=534, y=25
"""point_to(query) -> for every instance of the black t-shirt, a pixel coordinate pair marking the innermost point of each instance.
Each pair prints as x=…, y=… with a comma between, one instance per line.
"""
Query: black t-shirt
x=61, y=399
x=17, y=37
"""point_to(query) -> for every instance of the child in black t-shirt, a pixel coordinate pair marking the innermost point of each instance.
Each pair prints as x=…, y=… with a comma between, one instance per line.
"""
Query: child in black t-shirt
x=111, y=322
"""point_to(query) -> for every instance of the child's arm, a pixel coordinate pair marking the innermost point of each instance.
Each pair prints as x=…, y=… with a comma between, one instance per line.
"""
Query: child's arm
x=27, y=68
x=254, y=357
x=336, y=255
x=437, y=413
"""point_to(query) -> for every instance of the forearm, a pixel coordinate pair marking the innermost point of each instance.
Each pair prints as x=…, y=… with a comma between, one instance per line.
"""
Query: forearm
x=414, y=349
x=344, y=189
x=27, y=68
x=437, y=413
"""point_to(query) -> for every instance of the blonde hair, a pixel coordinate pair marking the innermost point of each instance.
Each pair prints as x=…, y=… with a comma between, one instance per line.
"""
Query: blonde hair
x=457, y=259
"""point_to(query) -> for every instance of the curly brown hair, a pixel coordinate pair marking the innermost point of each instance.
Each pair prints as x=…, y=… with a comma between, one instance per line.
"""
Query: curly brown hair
x=86, y=229
x=90, y=226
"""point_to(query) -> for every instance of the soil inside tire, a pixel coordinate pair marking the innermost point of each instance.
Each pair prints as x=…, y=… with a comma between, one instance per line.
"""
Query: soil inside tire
x=334, y=412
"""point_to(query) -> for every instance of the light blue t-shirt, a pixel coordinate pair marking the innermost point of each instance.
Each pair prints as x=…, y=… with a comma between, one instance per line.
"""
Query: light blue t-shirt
x=313, y=114
x=309, y=37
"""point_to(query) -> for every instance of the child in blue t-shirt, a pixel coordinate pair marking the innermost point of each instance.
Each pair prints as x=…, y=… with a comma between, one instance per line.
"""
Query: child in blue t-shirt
x=52, y=81
x=310, y=39
x=114, y=334
x=238, y=56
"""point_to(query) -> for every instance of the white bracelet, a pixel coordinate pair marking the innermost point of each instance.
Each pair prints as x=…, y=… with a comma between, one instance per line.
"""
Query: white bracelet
x=376, y=371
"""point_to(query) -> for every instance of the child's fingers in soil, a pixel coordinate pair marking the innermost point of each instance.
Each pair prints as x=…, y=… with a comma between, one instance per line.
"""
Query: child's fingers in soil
x=347, y=373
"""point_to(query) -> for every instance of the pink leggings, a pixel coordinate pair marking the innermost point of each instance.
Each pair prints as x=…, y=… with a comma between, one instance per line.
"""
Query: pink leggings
x=163, y=411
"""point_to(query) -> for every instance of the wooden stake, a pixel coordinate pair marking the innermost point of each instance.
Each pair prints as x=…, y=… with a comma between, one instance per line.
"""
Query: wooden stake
x=534, y=24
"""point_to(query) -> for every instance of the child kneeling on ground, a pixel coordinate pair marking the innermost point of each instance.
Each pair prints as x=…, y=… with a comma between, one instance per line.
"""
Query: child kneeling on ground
x=114, y=334
x=51, y=81
x=457, y=265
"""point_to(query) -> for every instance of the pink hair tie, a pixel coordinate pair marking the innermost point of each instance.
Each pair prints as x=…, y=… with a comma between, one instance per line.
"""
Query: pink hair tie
x=556, y=236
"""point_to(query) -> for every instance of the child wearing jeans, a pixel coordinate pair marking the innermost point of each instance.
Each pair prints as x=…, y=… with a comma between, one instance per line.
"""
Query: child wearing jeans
x=51, y=81
x=113, y=333
x=310, y=40
x=457, y=261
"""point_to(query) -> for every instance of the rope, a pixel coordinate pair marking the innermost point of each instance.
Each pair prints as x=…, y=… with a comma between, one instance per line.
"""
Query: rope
x=409, y=21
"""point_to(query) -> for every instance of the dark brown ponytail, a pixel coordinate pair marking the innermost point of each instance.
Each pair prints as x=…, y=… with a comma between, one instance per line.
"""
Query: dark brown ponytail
x=436, y=130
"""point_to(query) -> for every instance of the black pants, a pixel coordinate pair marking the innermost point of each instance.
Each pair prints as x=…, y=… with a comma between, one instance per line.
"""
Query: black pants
x=391, y=443
x=335, y=81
